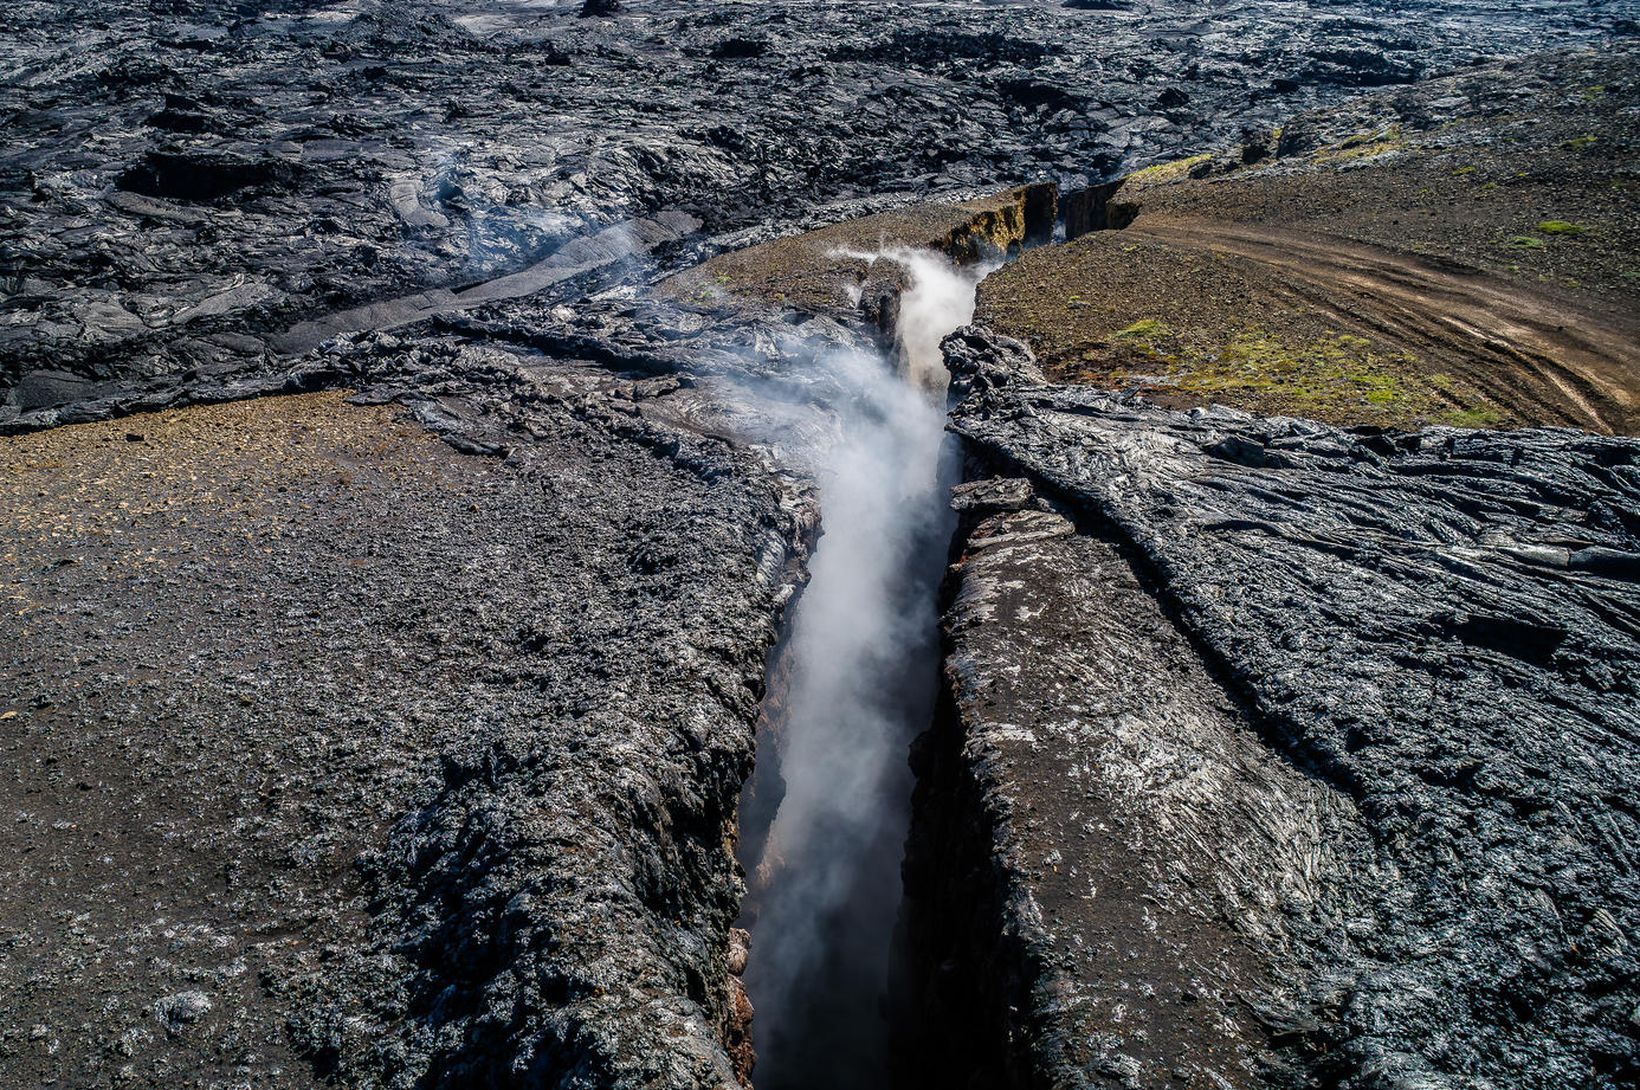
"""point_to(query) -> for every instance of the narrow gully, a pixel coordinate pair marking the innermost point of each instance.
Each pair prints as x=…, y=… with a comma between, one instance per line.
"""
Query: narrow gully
x=825, y=815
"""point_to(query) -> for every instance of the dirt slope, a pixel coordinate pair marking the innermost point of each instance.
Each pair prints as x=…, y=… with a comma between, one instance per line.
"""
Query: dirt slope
x=1464, y=252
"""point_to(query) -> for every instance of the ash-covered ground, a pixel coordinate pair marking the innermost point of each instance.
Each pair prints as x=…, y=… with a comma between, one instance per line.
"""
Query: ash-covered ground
x=340, y=754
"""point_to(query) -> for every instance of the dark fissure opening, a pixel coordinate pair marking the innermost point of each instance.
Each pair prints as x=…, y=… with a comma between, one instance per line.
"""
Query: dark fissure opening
x=1096, y=208
x=836, y=970
x=826, y=813
x=824, y=976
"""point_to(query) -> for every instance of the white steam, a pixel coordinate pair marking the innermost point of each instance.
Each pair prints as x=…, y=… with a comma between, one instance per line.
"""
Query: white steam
x=863, y=659
x=938, y=301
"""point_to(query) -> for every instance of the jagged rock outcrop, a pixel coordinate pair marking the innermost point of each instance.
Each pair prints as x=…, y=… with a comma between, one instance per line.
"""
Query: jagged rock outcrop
x=1438, y=628
x=1110, y=873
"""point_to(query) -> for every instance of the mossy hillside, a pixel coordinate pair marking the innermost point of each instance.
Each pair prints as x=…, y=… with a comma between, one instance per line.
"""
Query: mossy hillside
x=1363, y=146
x=1338, y=377
x=1528, y=187
x=1189, y=327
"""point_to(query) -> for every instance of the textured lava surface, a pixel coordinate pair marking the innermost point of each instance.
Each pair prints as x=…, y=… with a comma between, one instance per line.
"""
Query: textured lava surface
x=418, y=769
x=1440, y=628
x=183, y=182
x=251, y=647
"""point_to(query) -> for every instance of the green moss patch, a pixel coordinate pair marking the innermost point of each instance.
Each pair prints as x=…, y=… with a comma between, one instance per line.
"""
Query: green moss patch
x=1337, y=372
x=1177, y=170
x=1366, y=145
x=1147, y=330
x=1561, y=227
x=1339, y=377
x=1480, y=417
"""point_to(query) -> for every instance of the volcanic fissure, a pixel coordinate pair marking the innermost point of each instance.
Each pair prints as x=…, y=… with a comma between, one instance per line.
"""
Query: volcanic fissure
x=826, y=813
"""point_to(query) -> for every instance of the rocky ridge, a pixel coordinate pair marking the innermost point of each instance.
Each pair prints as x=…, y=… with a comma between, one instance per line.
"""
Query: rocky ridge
x=1438, y=628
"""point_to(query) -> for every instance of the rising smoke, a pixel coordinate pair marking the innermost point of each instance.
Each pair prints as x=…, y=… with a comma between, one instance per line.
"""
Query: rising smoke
x=863, y=659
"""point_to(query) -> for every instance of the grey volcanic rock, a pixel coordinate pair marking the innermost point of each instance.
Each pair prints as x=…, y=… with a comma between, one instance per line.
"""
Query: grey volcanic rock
x=1111, y=871
x=538, y=922
x=436, y=757
x=184, y=182
x=182, y=1009
x=431, y=759
x=1438, y=626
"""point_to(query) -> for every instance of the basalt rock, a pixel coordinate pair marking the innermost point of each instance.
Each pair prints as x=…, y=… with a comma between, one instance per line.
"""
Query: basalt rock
x=183, y=184
x=1110, y=876
x=533, y=879
x=453, y=210
x=1436, y=629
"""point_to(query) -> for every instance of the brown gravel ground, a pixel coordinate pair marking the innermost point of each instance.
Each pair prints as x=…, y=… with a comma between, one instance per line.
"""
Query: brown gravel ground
x=218, y=649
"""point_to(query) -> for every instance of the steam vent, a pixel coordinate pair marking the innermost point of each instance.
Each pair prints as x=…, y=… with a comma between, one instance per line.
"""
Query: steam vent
x=707, y=545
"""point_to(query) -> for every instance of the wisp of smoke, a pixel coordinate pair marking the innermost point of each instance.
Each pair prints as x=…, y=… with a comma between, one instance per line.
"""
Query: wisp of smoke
x=863, y=658
x=940, y=299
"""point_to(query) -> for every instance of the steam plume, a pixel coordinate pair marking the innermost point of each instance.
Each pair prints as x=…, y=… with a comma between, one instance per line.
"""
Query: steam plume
x=864, y=655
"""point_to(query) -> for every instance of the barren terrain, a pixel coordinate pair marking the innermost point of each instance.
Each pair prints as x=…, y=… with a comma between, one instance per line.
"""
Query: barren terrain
x=1461, y=252
x=414, y=437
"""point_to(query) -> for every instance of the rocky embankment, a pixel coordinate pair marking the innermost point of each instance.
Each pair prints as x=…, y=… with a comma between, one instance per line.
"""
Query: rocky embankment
x=1347, y=785
x=836, y=271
